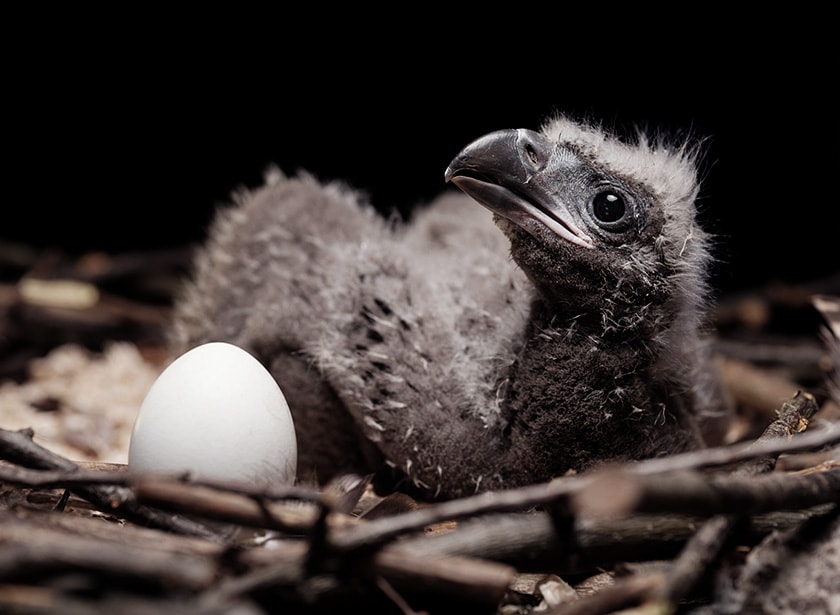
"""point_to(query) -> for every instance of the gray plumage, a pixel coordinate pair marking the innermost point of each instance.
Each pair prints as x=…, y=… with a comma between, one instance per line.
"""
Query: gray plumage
x=458, y=358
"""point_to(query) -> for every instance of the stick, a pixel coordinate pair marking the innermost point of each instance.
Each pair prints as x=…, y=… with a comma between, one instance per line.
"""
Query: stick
x=625, y=592
x=39, y=550
x=619, y=493
x=706, y=545
x=18, y=447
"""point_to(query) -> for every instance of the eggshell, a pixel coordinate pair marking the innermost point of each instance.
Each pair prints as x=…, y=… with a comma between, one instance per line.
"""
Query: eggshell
x=218, y=414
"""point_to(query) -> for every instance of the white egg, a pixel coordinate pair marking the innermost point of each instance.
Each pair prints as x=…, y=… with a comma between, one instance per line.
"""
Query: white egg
x=218, y=414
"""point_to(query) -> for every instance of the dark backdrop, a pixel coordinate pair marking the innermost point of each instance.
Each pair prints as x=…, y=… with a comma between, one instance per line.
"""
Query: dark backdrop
x=127, y=143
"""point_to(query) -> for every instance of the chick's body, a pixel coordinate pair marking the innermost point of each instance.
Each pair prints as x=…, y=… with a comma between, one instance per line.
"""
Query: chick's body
x=459, y=357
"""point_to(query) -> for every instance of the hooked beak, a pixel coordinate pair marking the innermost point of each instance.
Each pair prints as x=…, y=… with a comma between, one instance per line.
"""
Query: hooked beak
x=505, y=172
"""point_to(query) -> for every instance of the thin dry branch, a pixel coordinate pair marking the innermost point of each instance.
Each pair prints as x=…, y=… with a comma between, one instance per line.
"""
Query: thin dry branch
x=707, y=544
x=533, y=541
x=631, y=590
x=19, y=448
x=230, y=505
x=31, y=551
x=620, y=493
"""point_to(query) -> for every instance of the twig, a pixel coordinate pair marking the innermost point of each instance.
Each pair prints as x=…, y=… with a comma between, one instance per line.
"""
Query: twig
x=475, y=580
x=227, y=506
x=706, y=545
x=793, y=571
x=54, y=479
x=693, y=493
x=697, y=557
x=19, y=448
x=793, y=417
x=29, y=550
x=530, y=541
x=113, y=599
x=737, y=453
x=392, y=594
x=379, y=531
x=625, y=592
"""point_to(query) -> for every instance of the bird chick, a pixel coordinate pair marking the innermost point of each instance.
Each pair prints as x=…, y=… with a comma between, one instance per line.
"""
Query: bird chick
x=449, y=357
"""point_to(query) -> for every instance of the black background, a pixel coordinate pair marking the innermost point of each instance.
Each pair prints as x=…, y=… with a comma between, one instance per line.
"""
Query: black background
x=122, y=138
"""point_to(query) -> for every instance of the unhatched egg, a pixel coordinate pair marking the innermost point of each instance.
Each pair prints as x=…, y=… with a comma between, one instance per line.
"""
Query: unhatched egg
x=218, y=414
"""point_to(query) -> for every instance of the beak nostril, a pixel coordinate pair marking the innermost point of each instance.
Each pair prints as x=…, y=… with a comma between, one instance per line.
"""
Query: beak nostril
x=532, y=154
x=533, y=148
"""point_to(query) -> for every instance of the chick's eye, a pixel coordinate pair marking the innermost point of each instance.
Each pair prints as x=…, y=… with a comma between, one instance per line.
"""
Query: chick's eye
x=608, y=206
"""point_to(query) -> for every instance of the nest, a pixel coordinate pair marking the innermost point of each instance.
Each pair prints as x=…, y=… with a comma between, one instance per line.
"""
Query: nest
x=749, y=526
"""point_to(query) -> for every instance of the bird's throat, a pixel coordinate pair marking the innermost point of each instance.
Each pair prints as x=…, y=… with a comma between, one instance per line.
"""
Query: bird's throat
x=575, y=397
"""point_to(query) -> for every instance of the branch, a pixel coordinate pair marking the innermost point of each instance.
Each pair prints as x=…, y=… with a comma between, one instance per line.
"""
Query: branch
x=626, y=591
x=707, y=544
x=532, y=541
x=18, y=447
x=30, y=550
x=616, y=493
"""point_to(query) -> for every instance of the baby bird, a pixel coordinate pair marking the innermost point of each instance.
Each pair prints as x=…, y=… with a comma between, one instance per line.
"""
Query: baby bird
x=467, y=350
